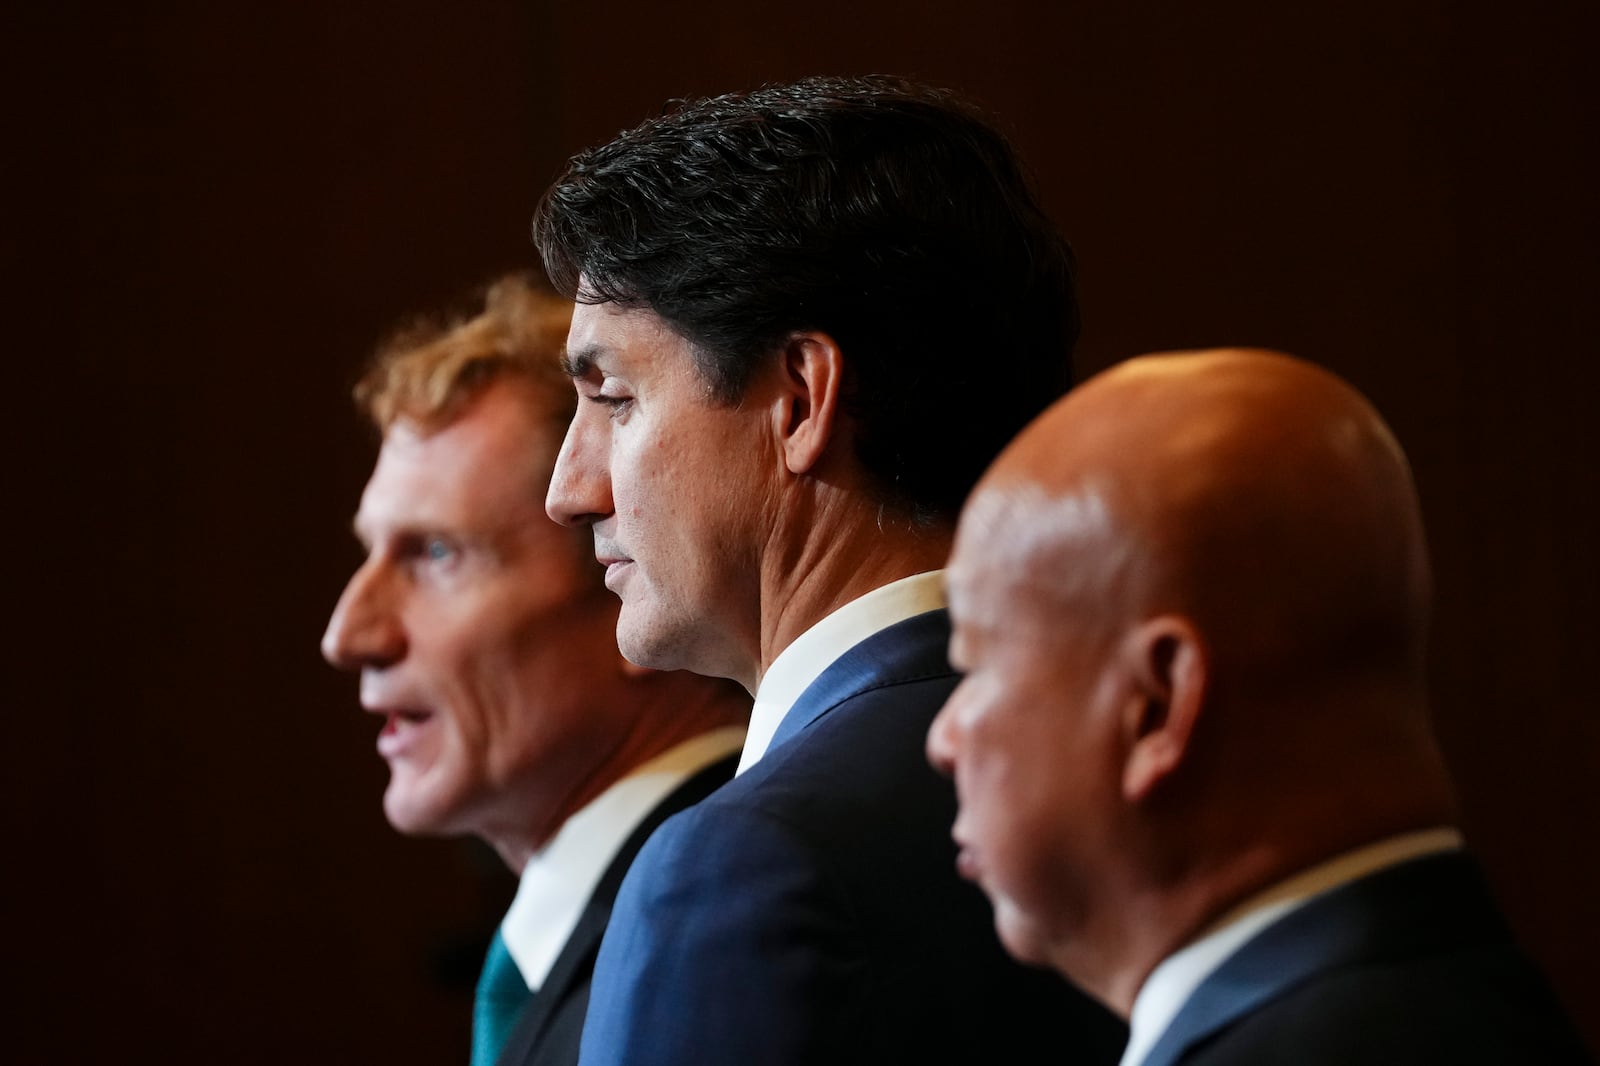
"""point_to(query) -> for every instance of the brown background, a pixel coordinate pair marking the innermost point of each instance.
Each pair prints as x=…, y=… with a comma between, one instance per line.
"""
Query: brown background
x=214, y=213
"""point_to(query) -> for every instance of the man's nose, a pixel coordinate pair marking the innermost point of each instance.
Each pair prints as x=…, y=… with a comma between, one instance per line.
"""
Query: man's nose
x=941, y=743
x=363, y=630
x=580, y=484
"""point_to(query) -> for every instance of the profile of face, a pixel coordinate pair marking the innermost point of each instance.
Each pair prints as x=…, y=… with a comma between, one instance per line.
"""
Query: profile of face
x=674, y=485
x=1028, y=734
x=481, y=642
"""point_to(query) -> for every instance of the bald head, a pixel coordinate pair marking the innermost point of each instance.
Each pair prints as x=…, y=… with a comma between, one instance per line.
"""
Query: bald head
x=1190, y=601
x=1257, y=494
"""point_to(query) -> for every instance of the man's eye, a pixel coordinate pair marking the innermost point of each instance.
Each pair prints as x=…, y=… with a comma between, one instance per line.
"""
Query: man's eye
x=617, y=404
x=438, y=550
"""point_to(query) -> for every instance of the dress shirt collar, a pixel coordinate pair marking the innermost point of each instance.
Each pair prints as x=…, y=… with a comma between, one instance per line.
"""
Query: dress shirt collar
x=560, y=877
x=813, y=651
x=1171, y=983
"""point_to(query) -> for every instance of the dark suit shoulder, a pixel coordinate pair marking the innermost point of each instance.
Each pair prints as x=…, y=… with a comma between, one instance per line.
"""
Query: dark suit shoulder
x=818, y=893
x=1413, y=964
x=1482, y=1005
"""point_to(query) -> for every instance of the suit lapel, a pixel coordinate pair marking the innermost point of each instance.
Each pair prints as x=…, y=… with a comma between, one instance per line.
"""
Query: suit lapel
x=570, y=973
x=909, y=650
x=1408, y=908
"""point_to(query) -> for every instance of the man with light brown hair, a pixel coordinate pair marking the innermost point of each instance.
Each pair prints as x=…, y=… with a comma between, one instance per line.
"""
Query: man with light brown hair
x=1192, y=745
x=483, y=635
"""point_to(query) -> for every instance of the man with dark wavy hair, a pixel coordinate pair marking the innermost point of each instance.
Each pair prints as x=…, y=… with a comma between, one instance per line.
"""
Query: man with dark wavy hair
x=808, y=317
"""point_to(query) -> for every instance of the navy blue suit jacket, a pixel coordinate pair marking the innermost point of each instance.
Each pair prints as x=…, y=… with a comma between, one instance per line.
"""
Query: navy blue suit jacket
x=1410, y=965
x=810, y=912
x=548, y=1029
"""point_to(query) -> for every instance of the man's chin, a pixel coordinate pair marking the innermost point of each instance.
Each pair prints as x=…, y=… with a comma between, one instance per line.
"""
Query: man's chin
x=643, y=644
x=1019, y=936
x=413, y=815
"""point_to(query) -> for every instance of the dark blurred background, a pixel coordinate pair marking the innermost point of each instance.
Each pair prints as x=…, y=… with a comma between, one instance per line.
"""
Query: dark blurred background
x=214, y=211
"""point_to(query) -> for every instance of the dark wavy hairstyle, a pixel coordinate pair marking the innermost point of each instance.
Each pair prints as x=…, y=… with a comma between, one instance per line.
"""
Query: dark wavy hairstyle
x=891, y=216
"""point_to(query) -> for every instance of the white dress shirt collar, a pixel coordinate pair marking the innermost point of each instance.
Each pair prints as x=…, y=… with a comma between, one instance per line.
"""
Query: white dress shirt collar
x=813, y=651
x=1171, y=983
x=561, y=876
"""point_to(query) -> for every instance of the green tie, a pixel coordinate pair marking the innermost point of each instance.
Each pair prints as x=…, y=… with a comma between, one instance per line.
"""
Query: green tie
x=501, y=994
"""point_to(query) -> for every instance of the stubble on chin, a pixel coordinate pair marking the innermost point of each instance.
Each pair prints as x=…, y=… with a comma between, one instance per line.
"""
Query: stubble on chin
x=643, y=641
x=660, y=641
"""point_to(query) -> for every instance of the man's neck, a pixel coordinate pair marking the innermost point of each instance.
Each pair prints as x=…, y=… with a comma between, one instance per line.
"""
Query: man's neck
x=835, y=558
x=673, y=709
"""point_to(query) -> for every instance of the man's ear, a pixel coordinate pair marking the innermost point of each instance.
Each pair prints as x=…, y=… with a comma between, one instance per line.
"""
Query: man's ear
x=807, y=412
x=1166, y=667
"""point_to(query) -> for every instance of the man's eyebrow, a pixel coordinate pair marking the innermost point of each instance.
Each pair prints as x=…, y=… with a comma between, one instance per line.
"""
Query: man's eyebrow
x=578, y=364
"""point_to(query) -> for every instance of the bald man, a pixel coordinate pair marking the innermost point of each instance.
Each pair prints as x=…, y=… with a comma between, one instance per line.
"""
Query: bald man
x=1192, y=747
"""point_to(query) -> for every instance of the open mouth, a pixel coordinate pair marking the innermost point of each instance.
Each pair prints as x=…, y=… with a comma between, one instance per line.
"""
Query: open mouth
x=400, y=730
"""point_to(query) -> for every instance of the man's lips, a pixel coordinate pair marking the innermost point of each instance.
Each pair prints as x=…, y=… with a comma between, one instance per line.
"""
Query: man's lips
x=966, y=858
x=967, y=864
x=401, y=729
x=615, y=568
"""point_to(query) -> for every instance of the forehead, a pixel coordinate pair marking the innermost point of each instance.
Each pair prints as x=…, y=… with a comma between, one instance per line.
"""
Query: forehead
x=489, y=464
x=991, y=533
x=612, y=338
x=1020, y=549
